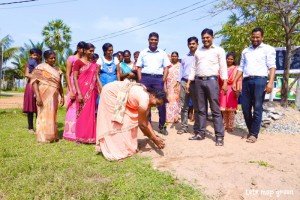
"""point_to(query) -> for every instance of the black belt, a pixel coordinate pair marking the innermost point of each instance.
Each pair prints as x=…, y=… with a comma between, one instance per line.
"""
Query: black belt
x=254, y=77
x=184, y=79
x=153, y=75
x=204, y=78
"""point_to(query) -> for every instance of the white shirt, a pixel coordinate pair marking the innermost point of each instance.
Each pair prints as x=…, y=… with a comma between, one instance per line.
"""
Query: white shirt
x=101, y=59
x=153, y=62
x=257, y=61
x=209, y=62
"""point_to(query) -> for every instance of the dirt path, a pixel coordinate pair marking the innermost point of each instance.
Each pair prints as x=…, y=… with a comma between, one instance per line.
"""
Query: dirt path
x=14, y=100
x=268, y=169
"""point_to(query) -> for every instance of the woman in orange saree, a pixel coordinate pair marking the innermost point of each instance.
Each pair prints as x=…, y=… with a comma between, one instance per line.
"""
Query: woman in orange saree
x=123, y=108
x=47, y=87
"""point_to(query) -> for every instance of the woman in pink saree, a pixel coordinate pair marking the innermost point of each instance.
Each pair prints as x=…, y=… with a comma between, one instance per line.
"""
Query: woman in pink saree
x=124, y=106
x=47, y=87
x=229, y=100
x=173, y=90
x=70, y=122
x=87, y=87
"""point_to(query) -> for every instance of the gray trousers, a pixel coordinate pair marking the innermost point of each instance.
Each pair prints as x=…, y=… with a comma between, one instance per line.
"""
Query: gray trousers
x=184, y=99
x=208, y=90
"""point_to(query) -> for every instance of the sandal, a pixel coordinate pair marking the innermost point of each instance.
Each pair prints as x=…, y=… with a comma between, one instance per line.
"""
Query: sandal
x=219, y=141
x=181, y=131
x=251, y=139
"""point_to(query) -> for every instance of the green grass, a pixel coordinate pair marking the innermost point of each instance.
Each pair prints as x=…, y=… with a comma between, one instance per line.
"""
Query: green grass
x=66, y=170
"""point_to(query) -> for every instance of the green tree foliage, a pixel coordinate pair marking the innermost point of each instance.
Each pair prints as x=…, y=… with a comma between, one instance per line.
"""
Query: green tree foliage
x=8, y=51
x=57, y=35
x=280, y=20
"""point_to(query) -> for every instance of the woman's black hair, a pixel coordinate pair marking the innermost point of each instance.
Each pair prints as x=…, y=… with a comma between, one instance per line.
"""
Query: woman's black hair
x=207, y=31
x=231, y=54
x=88, y=46
x=106, y=46
x=175, y=52
x=159, y=94
x=80, y=45
x=48, y=53
x=95, y=56
x=127, y=51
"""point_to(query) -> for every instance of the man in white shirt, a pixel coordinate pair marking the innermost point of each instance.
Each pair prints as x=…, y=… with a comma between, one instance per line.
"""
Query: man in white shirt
x=153, y=64
x=210, y=61
x=257, y=62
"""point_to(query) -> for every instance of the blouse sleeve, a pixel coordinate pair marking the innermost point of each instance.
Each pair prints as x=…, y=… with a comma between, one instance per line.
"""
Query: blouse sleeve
x=77, y=65
x=143, y=99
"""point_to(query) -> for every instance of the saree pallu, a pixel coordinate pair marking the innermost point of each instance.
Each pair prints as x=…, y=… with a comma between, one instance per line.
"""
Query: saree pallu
x=119, y=140
x=228, y=100
x=86, y=111
x=48, y=83
x=70, y=121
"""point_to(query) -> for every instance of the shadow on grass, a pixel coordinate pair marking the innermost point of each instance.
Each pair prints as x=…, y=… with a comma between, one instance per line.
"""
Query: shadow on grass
x=60, y=129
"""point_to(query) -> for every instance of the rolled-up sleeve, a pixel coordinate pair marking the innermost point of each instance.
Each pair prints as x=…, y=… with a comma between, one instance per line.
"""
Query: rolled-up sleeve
x=139, y=62
x=271, y=58
x=166, y=61
x=242, y=63
x=193, y=68
x=180, y=72
x=223, y=64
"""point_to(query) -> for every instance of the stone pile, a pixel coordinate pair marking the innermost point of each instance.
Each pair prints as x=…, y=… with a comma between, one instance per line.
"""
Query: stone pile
x=275, y=119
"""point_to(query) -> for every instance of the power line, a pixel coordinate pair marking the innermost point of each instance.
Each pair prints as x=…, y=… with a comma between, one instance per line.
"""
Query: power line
x=36, y=5
x=104, y=38
x=15, y=2
x=163, y=16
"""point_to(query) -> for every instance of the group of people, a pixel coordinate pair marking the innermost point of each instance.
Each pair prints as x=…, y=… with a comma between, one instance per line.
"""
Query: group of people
x=109, y=97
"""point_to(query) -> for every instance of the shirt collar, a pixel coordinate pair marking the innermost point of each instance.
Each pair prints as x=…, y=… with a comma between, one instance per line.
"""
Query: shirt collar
x=260, y=46
x=211, y=47
x=157, y=50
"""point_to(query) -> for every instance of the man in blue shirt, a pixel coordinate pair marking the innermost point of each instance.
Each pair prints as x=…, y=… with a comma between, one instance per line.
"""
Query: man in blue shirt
x=186, y=64
x=153, y=64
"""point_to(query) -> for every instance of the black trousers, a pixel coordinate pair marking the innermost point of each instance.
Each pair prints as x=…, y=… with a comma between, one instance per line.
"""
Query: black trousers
x=208, y=90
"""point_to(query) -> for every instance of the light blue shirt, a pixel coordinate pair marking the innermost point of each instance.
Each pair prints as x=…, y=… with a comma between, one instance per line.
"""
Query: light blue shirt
x=153, y=62
x=257, y=61
x=186, y=64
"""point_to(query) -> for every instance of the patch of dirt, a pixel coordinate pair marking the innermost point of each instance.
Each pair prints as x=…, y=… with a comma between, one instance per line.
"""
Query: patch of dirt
x=11, y=101
x=267, y=169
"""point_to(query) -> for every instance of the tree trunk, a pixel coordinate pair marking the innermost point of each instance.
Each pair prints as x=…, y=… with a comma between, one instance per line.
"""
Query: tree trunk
x=286, y=74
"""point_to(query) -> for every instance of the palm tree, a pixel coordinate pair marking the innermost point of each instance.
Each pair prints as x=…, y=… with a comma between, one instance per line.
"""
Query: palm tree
x=8, y=51
x=57, y=35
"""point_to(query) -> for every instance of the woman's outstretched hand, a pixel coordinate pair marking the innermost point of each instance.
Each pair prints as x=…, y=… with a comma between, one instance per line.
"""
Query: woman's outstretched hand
x=159, y=142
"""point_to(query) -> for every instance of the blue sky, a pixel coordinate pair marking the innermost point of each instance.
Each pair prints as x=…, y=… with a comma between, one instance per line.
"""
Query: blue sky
x=91, y=18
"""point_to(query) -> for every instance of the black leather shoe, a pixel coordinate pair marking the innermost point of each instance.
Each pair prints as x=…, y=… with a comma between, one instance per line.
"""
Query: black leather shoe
x=197, y=137
x=163, y=131
x=219, y=141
